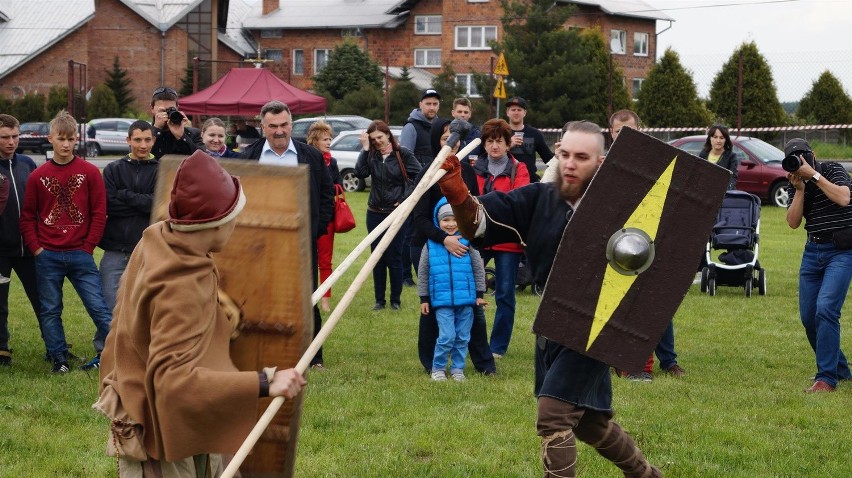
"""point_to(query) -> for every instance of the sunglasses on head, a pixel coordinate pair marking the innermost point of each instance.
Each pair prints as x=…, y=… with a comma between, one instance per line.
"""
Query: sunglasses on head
x=164, y=89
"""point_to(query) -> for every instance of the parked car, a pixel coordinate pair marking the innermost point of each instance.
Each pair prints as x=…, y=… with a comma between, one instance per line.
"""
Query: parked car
x=760, y=171
x=33, y=137
x=345, y=148
x=338, y=124
x=107, y=135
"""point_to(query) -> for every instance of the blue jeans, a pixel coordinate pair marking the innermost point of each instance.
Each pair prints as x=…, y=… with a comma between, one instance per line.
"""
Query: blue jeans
x=823, y=283
x=113, y=264
x=453, y=335
x=389, y=264
x=665, y=349
x=79, y=267
x=505, y=272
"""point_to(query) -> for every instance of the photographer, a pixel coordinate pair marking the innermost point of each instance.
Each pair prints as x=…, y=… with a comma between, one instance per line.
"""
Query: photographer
x=172, y=134
x=820, y=193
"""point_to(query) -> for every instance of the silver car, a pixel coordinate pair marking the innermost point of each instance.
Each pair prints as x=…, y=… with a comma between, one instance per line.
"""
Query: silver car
x=107, y=135
x=345, y=148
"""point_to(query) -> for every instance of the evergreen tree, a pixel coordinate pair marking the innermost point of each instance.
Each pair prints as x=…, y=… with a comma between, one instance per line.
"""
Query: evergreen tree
x=760, y=105
x=367, y=101
x=57, y=99
x=565, y=75
x=6, y=104
x=103, y=103
x=826, y=102
x=445, y=84
x=119, y=82
x=186, y=81
x=404, y=96
x=669, y=97
x=30, y=107
x=348, y=68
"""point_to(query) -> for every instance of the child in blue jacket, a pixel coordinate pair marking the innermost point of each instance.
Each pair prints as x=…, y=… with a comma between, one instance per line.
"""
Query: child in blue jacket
x=452, y=286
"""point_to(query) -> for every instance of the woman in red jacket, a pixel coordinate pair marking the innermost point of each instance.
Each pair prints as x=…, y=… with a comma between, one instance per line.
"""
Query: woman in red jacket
x=501, y=172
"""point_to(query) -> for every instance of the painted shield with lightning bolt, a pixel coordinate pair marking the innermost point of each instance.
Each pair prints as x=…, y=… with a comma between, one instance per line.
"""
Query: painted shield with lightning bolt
x=629, y=253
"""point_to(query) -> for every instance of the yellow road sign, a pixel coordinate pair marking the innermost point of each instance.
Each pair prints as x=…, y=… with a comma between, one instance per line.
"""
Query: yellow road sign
x=500, y=89
x=502, y=68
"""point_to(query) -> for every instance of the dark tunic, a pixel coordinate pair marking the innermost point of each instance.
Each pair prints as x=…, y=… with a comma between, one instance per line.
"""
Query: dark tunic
x=540, y=216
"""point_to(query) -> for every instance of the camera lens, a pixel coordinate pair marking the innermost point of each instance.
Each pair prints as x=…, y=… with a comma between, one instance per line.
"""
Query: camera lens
x=791, y=163
x=175, y=116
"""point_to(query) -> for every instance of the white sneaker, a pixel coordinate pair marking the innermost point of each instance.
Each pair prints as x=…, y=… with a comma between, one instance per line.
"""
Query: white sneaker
x=459, y=376
x=4, y=279
x=496, y=356
x=439, y=375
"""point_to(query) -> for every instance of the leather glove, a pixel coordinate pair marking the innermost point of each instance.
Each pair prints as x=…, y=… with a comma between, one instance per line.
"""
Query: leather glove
x=452, y=185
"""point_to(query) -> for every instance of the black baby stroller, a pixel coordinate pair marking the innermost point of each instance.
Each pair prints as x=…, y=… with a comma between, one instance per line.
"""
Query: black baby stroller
x=737, y=232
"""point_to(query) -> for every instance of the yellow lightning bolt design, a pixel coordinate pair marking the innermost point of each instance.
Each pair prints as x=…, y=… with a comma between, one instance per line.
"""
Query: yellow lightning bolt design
x=647, y=218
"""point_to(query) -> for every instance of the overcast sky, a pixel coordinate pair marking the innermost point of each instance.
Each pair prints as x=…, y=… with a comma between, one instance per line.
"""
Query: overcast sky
x=799, y=38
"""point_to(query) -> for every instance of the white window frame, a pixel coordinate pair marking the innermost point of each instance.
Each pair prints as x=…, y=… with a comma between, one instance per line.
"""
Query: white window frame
x=465, y=80
x=272, y=33
x=641, y=39
x=317, y=51
x=621, y=37
x=429, y=24
x=477, y=1
x=637, y=86
x=469, y=29
x=421, y=57
x=298, y=66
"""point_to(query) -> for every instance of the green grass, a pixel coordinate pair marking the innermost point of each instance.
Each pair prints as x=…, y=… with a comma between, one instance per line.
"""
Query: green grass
x=831, y=151
x=739, y=412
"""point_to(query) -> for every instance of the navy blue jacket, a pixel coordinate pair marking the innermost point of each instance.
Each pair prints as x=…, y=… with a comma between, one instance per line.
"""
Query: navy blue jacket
x=17, y=169
x=130, y=186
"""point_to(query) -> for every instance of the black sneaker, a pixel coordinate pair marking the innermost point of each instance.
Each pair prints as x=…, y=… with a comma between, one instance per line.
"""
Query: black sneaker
x=409, y=282
x=60, y=366
x=93, y=364
x=5, y=358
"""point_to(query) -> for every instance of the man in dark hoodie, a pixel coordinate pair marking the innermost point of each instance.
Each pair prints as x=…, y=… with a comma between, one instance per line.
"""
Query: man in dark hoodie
x=416, y=137
x=130, y=184
x=13, y=255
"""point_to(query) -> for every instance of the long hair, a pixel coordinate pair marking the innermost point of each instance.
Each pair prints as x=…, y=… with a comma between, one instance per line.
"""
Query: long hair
x=379, y=125
x=710, y=132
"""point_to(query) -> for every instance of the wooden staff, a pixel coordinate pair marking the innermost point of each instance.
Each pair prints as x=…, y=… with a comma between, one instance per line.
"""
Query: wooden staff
x=394, y=222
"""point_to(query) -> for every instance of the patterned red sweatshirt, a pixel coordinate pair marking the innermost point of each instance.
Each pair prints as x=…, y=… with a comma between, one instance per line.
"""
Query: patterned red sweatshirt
x=64, y=207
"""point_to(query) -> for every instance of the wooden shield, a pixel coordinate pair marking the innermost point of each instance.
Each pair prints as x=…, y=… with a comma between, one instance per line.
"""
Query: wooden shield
x=645, y=185
x=265, y=268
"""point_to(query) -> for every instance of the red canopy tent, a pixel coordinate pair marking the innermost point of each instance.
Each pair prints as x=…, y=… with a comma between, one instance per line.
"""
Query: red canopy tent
x=243, y=91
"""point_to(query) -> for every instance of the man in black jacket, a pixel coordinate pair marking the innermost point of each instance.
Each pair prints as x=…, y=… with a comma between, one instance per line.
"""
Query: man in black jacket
x=171, y=137
x=130, y=184
x=13, y=255
x=278, y=148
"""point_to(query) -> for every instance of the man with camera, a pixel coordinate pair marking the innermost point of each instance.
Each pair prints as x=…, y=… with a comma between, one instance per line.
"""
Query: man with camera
x=820, y=193
x=172, y=134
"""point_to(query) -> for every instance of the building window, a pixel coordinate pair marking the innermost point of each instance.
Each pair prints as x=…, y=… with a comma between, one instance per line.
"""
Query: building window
x=320, y=59
x=475, y=38
x=272, y=33
x=467, y=85
x=640, y=44
x=618, y=42
x=274, y=55
x=427, y=58
x=298, y=62
x=427, y=25
x=637, y=85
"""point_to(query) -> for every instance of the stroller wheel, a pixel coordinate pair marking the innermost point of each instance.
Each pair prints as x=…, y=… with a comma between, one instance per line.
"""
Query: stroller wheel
x=761, y=282
x=711, y=286
x=537, y=289
x=749, y=284
x=705, y=276
x=489, y=280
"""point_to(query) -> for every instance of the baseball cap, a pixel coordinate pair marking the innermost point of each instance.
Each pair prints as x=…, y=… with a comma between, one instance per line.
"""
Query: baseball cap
x=517, y=101
x=796, y=144
x=430, y=93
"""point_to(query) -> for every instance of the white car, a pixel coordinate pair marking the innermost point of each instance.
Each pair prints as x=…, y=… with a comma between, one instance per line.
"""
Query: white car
x=107, y=135
x=345, y=148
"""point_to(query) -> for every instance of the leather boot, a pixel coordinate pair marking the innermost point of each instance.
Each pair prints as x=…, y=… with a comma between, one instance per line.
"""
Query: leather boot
x=556, y=422
x=614, y=444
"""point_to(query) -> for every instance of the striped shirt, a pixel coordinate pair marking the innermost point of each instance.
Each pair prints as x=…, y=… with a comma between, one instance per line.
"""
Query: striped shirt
x=821, y=213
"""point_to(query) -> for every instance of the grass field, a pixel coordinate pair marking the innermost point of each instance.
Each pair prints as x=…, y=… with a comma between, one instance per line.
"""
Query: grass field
x=739, y=412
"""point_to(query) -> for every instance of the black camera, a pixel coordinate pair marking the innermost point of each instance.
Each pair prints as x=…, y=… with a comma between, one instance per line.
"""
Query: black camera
x=175, y=116
x=792, y=164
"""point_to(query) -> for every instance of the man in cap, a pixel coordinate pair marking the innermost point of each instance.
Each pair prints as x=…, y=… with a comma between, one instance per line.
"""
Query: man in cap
x=574, y=391
x=416, y=137
x=526, y=140
x=819, y=193
x=174, y=398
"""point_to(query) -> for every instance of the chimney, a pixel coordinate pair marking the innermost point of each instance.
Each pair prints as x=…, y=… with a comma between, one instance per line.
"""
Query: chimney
x=270, y=6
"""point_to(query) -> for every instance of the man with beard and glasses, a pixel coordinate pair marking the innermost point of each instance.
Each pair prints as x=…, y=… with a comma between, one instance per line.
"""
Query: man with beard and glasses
x=574, y=391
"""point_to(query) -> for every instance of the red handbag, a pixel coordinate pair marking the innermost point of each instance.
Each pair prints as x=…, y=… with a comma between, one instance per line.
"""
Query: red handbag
x=344, y=221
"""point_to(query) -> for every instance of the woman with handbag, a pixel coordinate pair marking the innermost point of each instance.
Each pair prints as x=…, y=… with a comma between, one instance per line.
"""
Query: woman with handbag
x=319, y=136
x=393, y=169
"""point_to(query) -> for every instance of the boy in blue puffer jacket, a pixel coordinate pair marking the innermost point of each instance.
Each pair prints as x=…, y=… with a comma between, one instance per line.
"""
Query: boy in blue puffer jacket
x=452, y=285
